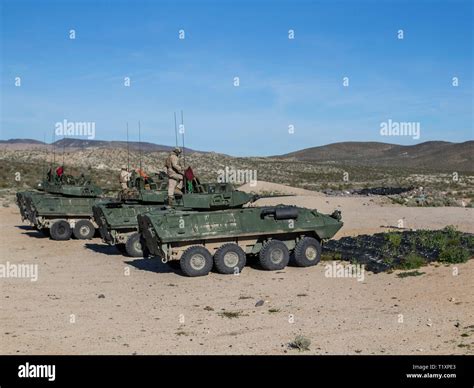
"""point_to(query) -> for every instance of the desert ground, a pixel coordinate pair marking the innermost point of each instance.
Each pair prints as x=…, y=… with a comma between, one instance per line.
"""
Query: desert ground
x=89, y=299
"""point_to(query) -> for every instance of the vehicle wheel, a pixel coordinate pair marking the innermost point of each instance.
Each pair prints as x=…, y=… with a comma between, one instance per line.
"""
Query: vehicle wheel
x=121, y=248
x=84, y=230
x=133, y=246
x=60, y=231
x=196, y=261
x=228, y=257
x=307, y=252
x=274, y=255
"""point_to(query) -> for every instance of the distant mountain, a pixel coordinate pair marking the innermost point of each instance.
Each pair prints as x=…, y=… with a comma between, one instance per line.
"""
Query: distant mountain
x=83, y=144
x=439, y=155
x=433, y=155
x=21, y=141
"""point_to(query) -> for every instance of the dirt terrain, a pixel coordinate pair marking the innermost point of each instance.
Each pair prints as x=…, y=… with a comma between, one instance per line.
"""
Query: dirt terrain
x=89, y=299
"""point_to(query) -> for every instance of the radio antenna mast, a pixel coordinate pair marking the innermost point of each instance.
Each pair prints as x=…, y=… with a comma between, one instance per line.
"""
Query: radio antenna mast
x=128, y=152
x=64, y=147
x=175, y=130
x=46, y=153
x=139, y=144
x=182, y=128
x=54, y=148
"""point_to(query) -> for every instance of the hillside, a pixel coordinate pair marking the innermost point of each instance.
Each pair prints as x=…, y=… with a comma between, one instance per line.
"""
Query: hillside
x=435, y=155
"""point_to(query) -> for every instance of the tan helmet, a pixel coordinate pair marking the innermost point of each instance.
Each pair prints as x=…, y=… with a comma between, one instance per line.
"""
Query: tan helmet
x=177, y=150
x=124, y=167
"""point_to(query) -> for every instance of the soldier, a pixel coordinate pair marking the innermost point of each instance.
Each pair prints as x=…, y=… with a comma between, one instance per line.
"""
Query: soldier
x=175, y=174
x=124, y=177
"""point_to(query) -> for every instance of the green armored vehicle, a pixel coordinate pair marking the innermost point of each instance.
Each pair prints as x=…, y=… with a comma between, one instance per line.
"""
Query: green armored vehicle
x=223, y=238
x=117, y=221
x=62, y=207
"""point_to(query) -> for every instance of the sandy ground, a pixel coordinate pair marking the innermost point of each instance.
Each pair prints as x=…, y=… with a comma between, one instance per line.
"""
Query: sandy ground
x=89, y=299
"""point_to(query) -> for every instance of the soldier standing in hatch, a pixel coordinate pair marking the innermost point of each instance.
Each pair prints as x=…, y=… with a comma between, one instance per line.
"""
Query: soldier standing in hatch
x=175, y=174
x=124, y=177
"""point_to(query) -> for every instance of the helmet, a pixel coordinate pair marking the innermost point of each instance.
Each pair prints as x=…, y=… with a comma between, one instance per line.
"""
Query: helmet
x=177, y=150
x=124, y=167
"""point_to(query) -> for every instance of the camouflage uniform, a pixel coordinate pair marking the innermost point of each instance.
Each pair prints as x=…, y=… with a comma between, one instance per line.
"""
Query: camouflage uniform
x=175, y=174
x=124, y=178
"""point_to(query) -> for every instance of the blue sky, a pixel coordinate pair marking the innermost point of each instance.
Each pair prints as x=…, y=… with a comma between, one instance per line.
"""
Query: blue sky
x=283, y=82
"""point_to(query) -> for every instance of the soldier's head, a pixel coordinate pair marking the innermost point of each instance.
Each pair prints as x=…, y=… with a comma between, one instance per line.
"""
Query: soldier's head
x=124, y=167
x=177, y=151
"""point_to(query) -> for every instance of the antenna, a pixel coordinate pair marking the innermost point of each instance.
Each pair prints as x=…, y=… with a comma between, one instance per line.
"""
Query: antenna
x=182, y=126
x=64, y=147
x=128, y=152
x=46, y=153
x=54, y=148
x=175, y=130
x=139, y=145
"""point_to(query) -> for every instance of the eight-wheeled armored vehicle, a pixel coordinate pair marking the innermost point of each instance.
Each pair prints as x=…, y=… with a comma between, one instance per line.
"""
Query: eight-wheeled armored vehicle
x=223, y=238
x=62, y=207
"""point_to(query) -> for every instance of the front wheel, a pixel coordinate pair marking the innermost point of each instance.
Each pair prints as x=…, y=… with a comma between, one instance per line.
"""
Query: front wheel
x=307, y=252
x=196, y=261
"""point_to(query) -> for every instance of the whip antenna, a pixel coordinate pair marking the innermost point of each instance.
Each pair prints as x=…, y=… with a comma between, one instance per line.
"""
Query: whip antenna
x=175, y=130
x=54, y=148
x=128, y=151
x=139, y=145
x=182, y=127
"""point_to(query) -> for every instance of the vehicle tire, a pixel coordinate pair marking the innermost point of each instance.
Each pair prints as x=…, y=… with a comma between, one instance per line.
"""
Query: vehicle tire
x=121, y=248
x=84, y=230
x=196, y=261
x=133, y=246
x=60, y=231
x=274, y=255
x=307, y=252
x=228, y=257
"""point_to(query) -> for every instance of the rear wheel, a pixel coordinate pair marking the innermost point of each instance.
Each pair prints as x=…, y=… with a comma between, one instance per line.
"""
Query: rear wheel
x=196, y=261
x=84, y=230
x=60, y=231
x=307, y=252
x=133, y=246
x=229, y=257
x=274, y=255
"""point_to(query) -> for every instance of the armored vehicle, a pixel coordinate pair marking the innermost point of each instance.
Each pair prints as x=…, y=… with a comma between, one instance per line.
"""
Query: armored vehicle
x=117, y=221
x=62, y=207
x=223, y=238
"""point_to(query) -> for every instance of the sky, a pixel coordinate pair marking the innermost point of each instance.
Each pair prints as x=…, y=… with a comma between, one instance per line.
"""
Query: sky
x=290, y=95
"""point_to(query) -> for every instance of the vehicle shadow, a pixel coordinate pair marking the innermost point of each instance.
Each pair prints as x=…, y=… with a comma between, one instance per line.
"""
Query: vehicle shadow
x=154, y=265
x=103, y=248
x=25, y=227
x=31, y=231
